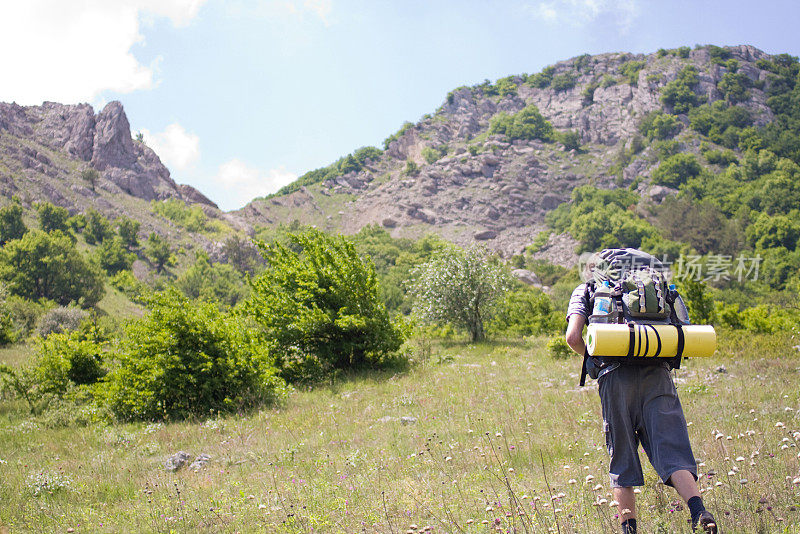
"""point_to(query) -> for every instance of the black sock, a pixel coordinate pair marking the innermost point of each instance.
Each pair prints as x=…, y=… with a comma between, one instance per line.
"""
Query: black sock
x=629, y=526
x=695, y=508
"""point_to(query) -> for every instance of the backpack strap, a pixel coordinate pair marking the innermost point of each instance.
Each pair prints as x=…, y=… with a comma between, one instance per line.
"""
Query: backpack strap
x=681, y=341
x=632, y=339
x=583, y=368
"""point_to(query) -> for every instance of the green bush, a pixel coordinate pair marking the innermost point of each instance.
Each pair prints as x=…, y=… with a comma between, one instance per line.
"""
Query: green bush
x=720, y=157
x=528, y=123
x=698, y=301
x=659, y=125
x=7, y=333
x=113, y=256
x=188, y=359
x=52, y=217
x=542, y=79
x=159, y=251
x=676, y=170
x=127, y=229
x=775, y=231
x=318, y=300
x=48, y=266
x=524, y=312
x=630, y=69
x=11, y=224
x=607, y=81
x=563, y=82
x=733, y=86
x=679, y=94
x=97, y=228
x=25, y=315
x=192, y=218
x=397, y=135
x=558, y=348
x=718, y=54
x=217, y=282
x=683, y=51
x=411, y=168
x=571, y=139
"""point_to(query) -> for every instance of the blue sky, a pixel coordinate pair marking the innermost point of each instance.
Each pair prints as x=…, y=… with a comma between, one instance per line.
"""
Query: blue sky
x=240, y=97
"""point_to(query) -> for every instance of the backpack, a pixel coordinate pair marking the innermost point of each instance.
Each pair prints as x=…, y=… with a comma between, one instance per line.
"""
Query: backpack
x=635, y=291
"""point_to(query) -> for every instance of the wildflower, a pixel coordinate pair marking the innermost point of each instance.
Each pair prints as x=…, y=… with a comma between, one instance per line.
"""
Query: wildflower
x=779, y=425
x=637, y=490
x=589, y=478
x=603, y=501
x=740, y=458
x=743, y=481
x=796, y=481
x=448, y=459
x=612, y=504
x=572, y=481
x=598, y=487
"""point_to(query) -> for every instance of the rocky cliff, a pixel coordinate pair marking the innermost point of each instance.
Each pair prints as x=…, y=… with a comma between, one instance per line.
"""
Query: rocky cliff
x=57, y=141
x=471, y=186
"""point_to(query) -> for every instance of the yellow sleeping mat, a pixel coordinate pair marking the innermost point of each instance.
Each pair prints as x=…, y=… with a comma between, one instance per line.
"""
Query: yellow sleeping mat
x=649, y=340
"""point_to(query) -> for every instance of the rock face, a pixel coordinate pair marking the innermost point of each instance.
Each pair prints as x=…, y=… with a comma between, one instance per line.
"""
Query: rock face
x=102, y=141
x=471, y=186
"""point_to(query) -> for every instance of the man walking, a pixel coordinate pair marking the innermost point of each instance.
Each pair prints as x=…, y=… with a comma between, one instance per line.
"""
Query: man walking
x=640, y=405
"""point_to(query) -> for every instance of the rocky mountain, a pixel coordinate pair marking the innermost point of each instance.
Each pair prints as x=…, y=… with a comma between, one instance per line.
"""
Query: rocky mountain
x=446, y=173
x=44, y=150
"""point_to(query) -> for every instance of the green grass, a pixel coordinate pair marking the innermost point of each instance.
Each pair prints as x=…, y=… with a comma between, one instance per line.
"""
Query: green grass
x=503, y=438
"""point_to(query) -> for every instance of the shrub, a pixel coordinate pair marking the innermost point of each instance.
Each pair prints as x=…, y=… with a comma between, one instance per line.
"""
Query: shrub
x=52, y=217
x=459, y=287
x=722, y=124
x=683, y=51
x=558, y=348
x=720, y=157
x=159, y=251
x=113, y=257
x=699, y=303
x=7, y=334
x=97, y=228
x=192, y=218
x=47, y=265
x=61, y=319
x=25, y=315
x=214, y=282
x=318, y=300
x=659, y=125
x=91, y=177
x=571, y=139
x=11, y=224
x=542, y=79
x=528, y=123
x=411, y=169
x=775, y=231
x=607, y=81
x=676, y=170
x=524, y=312
x=188, y=359
x=733, y=86
x=630, y=69
x=679, y=93
x=718, y=54
x=127, y=229
x=562, y=82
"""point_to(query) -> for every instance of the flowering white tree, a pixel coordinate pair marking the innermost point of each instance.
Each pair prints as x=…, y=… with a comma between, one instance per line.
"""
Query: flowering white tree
x=460, y=287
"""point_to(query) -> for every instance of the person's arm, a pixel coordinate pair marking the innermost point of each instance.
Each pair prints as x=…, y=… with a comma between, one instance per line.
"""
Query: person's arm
x=574, y=333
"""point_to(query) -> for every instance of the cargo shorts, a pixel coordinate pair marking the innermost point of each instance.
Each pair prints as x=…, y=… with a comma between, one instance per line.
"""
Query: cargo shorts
x=640, y=405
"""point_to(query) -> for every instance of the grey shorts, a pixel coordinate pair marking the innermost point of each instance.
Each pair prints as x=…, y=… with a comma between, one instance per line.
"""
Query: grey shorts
x=640, y=405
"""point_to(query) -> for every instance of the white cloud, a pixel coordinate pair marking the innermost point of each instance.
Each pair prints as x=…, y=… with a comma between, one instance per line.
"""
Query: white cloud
x=581, y=12
x=241, y=183
x=72, y=51
x=176, y=147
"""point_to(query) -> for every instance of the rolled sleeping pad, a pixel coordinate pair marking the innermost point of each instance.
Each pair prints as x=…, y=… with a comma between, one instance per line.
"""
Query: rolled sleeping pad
x=658, y=340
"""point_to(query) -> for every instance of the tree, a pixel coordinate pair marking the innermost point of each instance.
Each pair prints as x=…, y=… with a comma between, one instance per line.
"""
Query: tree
x=215, y=282
x=676, y=170
x=528, y=123
x=113, y=257
x=158, y=250
x=97, y=228
x=52, y=217
x=241, y=254
x=127, y=229
x=679, y=93
x=47, y=265
x=188, y=359
x=525, y=311
x=319, y=301
x=91, y=177
x=11, y=225
x=459, y=287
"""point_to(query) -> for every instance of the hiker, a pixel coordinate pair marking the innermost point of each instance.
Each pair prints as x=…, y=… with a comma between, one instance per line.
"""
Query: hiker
x=638, y=399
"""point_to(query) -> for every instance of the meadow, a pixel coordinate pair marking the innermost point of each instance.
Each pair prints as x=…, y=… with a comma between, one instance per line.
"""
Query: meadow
x=492, y=437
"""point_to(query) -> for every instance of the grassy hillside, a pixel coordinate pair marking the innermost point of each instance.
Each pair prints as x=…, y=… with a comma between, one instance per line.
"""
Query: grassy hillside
x=502, y=439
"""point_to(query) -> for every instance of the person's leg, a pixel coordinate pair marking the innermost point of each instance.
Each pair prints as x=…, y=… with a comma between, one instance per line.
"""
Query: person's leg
x=617, y=396
x=627, y=509
x=665, y=439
